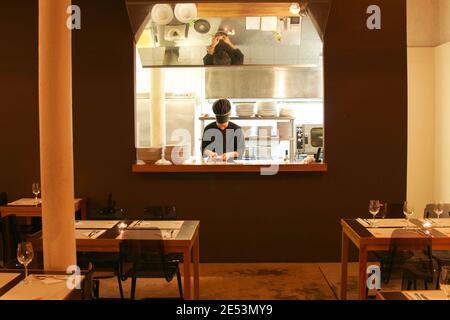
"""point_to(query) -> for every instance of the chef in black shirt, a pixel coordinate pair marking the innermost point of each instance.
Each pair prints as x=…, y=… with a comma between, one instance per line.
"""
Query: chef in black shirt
x=222, y=139
x=223, y=52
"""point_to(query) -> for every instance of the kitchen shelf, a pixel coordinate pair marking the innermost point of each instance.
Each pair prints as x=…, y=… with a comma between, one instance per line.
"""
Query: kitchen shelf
x=252, y=118
x=205, y=168
x=291, y=120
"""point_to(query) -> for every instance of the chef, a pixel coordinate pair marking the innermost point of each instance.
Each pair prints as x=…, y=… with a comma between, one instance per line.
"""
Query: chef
x=222, y=139
x=223, y=52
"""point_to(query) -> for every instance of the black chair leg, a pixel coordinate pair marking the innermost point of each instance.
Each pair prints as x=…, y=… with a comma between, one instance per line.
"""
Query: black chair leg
x=180, y=286
x=119, y=280
x=133, y=288
x=96, y=288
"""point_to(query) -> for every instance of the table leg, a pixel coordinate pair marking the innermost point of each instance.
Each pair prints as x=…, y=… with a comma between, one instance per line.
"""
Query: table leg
x=196, y=260
x=344, y=266
x=187, y=274
x=362, y=283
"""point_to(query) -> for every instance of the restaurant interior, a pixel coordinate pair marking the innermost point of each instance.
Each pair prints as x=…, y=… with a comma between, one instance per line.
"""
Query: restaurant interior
x=243, y=150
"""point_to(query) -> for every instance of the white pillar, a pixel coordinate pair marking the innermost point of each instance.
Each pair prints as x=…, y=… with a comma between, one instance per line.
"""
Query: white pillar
x=55, y=126
x=158, y=108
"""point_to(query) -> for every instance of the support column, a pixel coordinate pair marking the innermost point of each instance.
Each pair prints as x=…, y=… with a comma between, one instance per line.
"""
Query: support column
x=55, y=126
x=158, y=108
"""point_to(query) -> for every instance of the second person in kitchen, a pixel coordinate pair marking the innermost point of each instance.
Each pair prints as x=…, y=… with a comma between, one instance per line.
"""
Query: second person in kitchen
x=223, y=139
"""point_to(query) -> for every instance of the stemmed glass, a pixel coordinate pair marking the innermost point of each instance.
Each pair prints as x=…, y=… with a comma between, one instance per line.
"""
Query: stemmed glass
x=25, y=256
x=374, y=208
x=36, y=188
x=408, y=211
x=444, y=281
x=438, y=209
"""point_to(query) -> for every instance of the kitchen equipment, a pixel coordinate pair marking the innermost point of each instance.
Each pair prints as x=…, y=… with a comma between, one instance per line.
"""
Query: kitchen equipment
x=284, y=130
x=162, y=14
x=264, y=132
x=247, y=131
x=185, y=12
x=310, y=137
x=175, y=33
x=202, y=26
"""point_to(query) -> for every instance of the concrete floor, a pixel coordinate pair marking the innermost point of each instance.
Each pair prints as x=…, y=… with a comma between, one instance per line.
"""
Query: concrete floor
x=261, y=281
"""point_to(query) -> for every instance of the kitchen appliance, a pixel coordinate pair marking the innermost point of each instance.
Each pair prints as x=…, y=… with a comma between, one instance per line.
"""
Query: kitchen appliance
x=310, y=137
x=202, y=26
x=175, y=33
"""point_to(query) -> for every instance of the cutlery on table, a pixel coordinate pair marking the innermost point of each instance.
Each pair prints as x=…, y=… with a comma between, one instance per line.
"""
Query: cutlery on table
x=424, y=297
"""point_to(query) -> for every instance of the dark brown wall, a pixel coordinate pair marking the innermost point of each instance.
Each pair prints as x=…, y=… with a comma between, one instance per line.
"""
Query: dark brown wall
x=244, y=217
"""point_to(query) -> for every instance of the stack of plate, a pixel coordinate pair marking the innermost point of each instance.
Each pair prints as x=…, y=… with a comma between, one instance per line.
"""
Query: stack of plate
x=245, y=110
x=267, y=109
x=287, y=112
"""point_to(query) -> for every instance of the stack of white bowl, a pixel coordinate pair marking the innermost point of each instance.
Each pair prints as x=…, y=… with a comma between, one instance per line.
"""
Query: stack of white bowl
x=245, y=110
x=267, y=109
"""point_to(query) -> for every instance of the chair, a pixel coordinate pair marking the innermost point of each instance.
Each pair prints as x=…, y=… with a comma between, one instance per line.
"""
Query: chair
x=111, y=211
x=442, y=257
x=163, y=213
x=387, y=211
x=10, y=239
x=105, y=266
x=413, y=256
x=147, y=259
x=160, y=213
x=3, y=198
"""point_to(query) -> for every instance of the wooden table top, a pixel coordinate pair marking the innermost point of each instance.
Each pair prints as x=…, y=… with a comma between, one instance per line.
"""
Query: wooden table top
x=411, y=295
x=360, y=235
x=29, y=203
x=7, y=278
x=51, y=287
x=111, y=237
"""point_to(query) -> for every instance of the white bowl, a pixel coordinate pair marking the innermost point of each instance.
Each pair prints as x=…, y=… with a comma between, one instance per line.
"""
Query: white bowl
x=162, y=14
x=185, y=12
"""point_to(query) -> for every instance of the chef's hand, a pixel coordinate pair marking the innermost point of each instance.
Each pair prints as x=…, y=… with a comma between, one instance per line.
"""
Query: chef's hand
x=229, y=155
x=215, y=42
x=227, y=40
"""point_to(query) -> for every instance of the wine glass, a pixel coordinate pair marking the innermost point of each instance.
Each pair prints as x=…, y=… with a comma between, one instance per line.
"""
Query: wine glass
x=374, y=208
x=36, y=188
x=444, y=281
x=438, y=209
x=25, y=256
x=408, y=211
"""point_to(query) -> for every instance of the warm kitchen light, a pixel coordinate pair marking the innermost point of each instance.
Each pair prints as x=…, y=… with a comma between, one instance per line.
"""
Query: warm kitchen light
x=294, y=8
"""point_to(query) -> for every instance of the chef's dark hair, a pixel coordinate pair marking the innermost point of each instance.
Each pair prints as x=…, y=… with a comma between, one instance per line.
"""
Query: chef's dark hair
x=222, y=110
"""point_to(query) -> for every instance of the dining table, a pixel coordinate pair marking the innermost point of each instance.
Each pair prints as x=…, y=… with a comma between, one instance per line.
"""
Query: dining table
x=432, y=295
x=106, y=235
x=39, y=285
x=376, y=235
x=30, y=207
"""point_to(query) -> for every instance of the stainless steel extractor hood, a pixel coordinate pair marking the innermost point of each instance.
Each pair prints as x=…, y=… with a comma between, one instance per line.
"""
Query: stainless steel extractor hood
x=264, y=82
